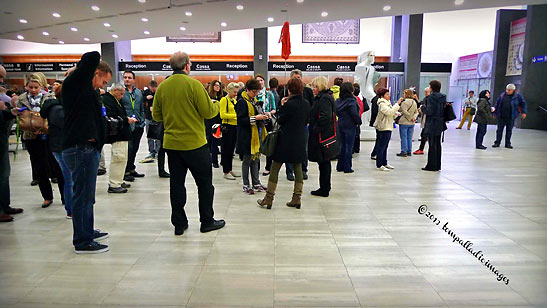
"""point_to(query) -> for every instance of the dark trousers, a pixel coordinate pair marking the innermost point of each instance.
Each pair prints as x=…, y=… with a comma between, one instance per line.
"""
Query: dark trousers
x=434, y=153
x=422, y=141
x=481, y=131
x=83, y=162
x=134, y=143
x=4, y=179
x=357, y=143
x=198, y=161
x=212, y=144
x=269, y=162
x=382, y=139
x=375, y=149
x=325, y=170
x=45, y=166
x=228, y=144
x=346, y=138
x=508, y=125
x=161, y=158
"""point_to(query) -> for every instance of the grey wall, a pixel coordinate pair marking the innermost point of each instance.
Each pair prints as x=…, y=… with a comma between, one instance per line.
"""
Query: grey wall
x=261, y=52
x=534, y=75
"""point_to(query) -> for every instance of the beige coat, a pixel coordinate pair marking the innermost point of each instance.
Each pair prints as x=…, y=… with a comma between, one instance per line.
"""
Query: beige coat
x=409, y=109
x=386, y=115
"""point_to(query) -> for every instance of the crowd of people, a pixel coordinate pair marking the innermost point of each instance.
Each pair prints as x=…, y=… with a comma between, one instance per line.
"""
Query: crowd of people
x=188, y=121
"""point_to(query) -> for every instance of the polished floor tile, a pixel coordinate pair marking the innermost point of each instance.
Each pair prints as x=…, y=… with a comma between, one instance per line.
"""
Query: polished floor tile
x=364, y=246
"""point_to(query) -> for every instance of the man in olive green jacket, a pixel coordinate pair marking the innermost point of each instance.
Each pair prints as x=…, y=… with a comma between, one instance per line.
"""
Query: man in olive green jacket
x=182, y=104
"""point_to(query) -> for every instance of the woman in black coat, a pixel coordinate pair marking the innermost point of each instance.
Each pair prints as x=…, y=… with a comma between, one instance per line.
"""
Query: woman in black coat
x=484, y=114
x=435, y=125
x=291, y=143
x=321, y=126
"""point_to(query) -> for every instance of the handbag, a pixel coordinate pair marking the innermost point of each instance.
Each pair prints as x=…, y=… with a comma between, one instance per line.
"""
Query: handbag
x=155, y=130
x=330, y=146
x=448, y=114
x=30, y=121
x=270, y=142
x=473, y=111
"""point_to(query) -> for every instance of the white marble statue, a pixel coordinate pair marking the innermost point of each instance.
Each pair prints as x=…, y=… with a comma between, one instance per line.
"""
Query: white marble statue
x=367, y=78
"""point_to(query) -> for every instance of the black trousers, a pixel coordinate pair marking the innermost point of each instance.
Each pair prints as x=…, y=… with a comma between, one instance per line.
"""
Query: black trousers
x=212, y=144
x=434, y=153
x=508, y=125
x=375, y=149
x=134, y=143
x=198, y=161
x=45, y=165
x=481, y=131
x=357, y=142
x=228, y=145
x=382, y=141
x=423, y=140
x=161, y=158
x=325, y=170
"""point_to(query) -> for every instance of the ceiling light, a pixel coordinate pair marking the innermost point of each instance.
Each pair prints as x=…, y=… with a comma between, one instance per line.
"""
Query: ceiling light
x=106, y=24
x=299, y=1
x=20, y=37
x=74, y=29
x=270, y=19
x=86, y=39
x=324, y=14
x=146, y=32
x=240, y=7
x=188, y=13
x=142, y=1
x=56, y=15
x=95, y=8
x=45, y=33
x=61, y=42
x=223, y=24
x=183, y=28
x=114, y=35
x=387, y=8
x=23, y=21
x=144, y=19
x=458, y=2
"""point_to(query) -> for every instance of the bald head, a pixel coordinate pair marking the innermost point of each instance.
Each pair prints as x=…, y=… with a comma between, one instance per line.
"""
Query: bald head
x=180, y=61
x=3, y=73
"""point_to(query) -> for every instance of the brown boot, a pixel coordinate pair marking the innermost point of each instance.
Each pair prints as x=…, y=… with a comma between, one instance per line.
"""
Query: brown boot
x=5, y=217
x=268, y=199
x=296, y=200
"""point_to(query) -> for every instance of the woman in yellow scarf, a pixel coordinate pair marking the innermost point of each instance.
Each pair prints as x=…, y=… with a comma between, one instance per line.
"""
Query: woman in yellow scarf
x=250, y=133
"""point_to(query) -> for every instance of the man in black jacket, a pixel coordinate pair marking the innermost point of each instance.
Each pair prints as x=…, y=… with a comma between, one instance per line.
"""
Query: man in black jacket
x=85, y=135
x=120, y=142
x=434, y=125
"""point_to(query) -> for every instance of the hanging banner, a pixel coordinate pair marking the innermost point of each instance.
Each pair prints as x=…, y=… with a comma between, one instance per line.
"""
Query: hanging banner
x=332, y=32
x=515, y=55
x=467, y=66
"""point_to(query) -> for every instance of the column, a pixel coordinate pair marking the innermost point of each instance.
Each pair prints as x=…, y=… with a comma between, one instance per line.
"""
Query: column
x=261, y=52
x=115, y=52
x=406, y=39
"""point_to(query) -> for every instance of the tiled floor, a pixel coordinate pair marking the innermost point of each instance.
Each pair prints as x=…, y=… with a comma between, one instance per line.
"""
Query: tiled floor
x=366, y=245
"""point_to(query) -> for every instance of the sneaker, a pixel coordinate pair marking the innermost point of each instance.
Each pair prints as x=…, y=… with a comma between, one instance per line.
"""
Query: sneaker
x=147, y=160
x=68, y=216
x=418, y=152
x=235, y=175
x=260, y=188
x=389, y=166
x=229, y=176
x=248, y=190
x=99, y=236
x=92, y=247
x=383, y=168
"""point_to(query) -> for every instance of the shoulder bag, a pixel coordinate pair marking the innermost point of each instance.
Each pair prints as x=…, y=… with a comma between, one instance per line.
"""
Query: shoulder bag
x=330, y=146
x=270, y=141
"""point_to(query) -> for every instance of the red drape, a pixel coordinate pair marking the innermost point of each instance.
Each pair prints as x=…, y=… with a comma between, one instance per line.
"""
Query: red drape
x=285, y=40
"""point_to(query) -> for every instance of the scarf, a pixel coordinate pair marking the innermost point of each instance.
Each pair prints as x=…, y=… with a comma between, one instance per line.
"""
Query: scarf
x=256, y=135
x=35, y=102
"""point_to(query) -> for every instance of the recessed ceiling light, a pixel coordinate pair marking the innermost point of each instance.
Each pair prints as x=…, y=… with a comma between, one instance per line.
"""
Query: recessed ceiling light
x=106, y=24
x=45, y=33
x=86, y=39
x=188, y=13
x=223, y=24
x=142, y=1
x=183, y=28
x=114, y=35
x=387, y=8
x=23, y=21
x=74, y=29
x=324, y=14
x=20, y=37
x=61, y=42
x=458, y=2
x=299, y=1
x=240, y=7
x=146, y=32
x=56, y=15
x=270, y=19
x=95, y=8
x=144, y=19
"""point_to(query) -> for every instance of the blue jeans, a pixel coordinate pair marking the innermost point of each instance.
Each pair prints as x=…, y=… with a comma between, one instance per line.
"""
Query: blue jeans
x=83, y=162
x=406, y=132
x=346, y=138
x=67, y=176
x=153, y=144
